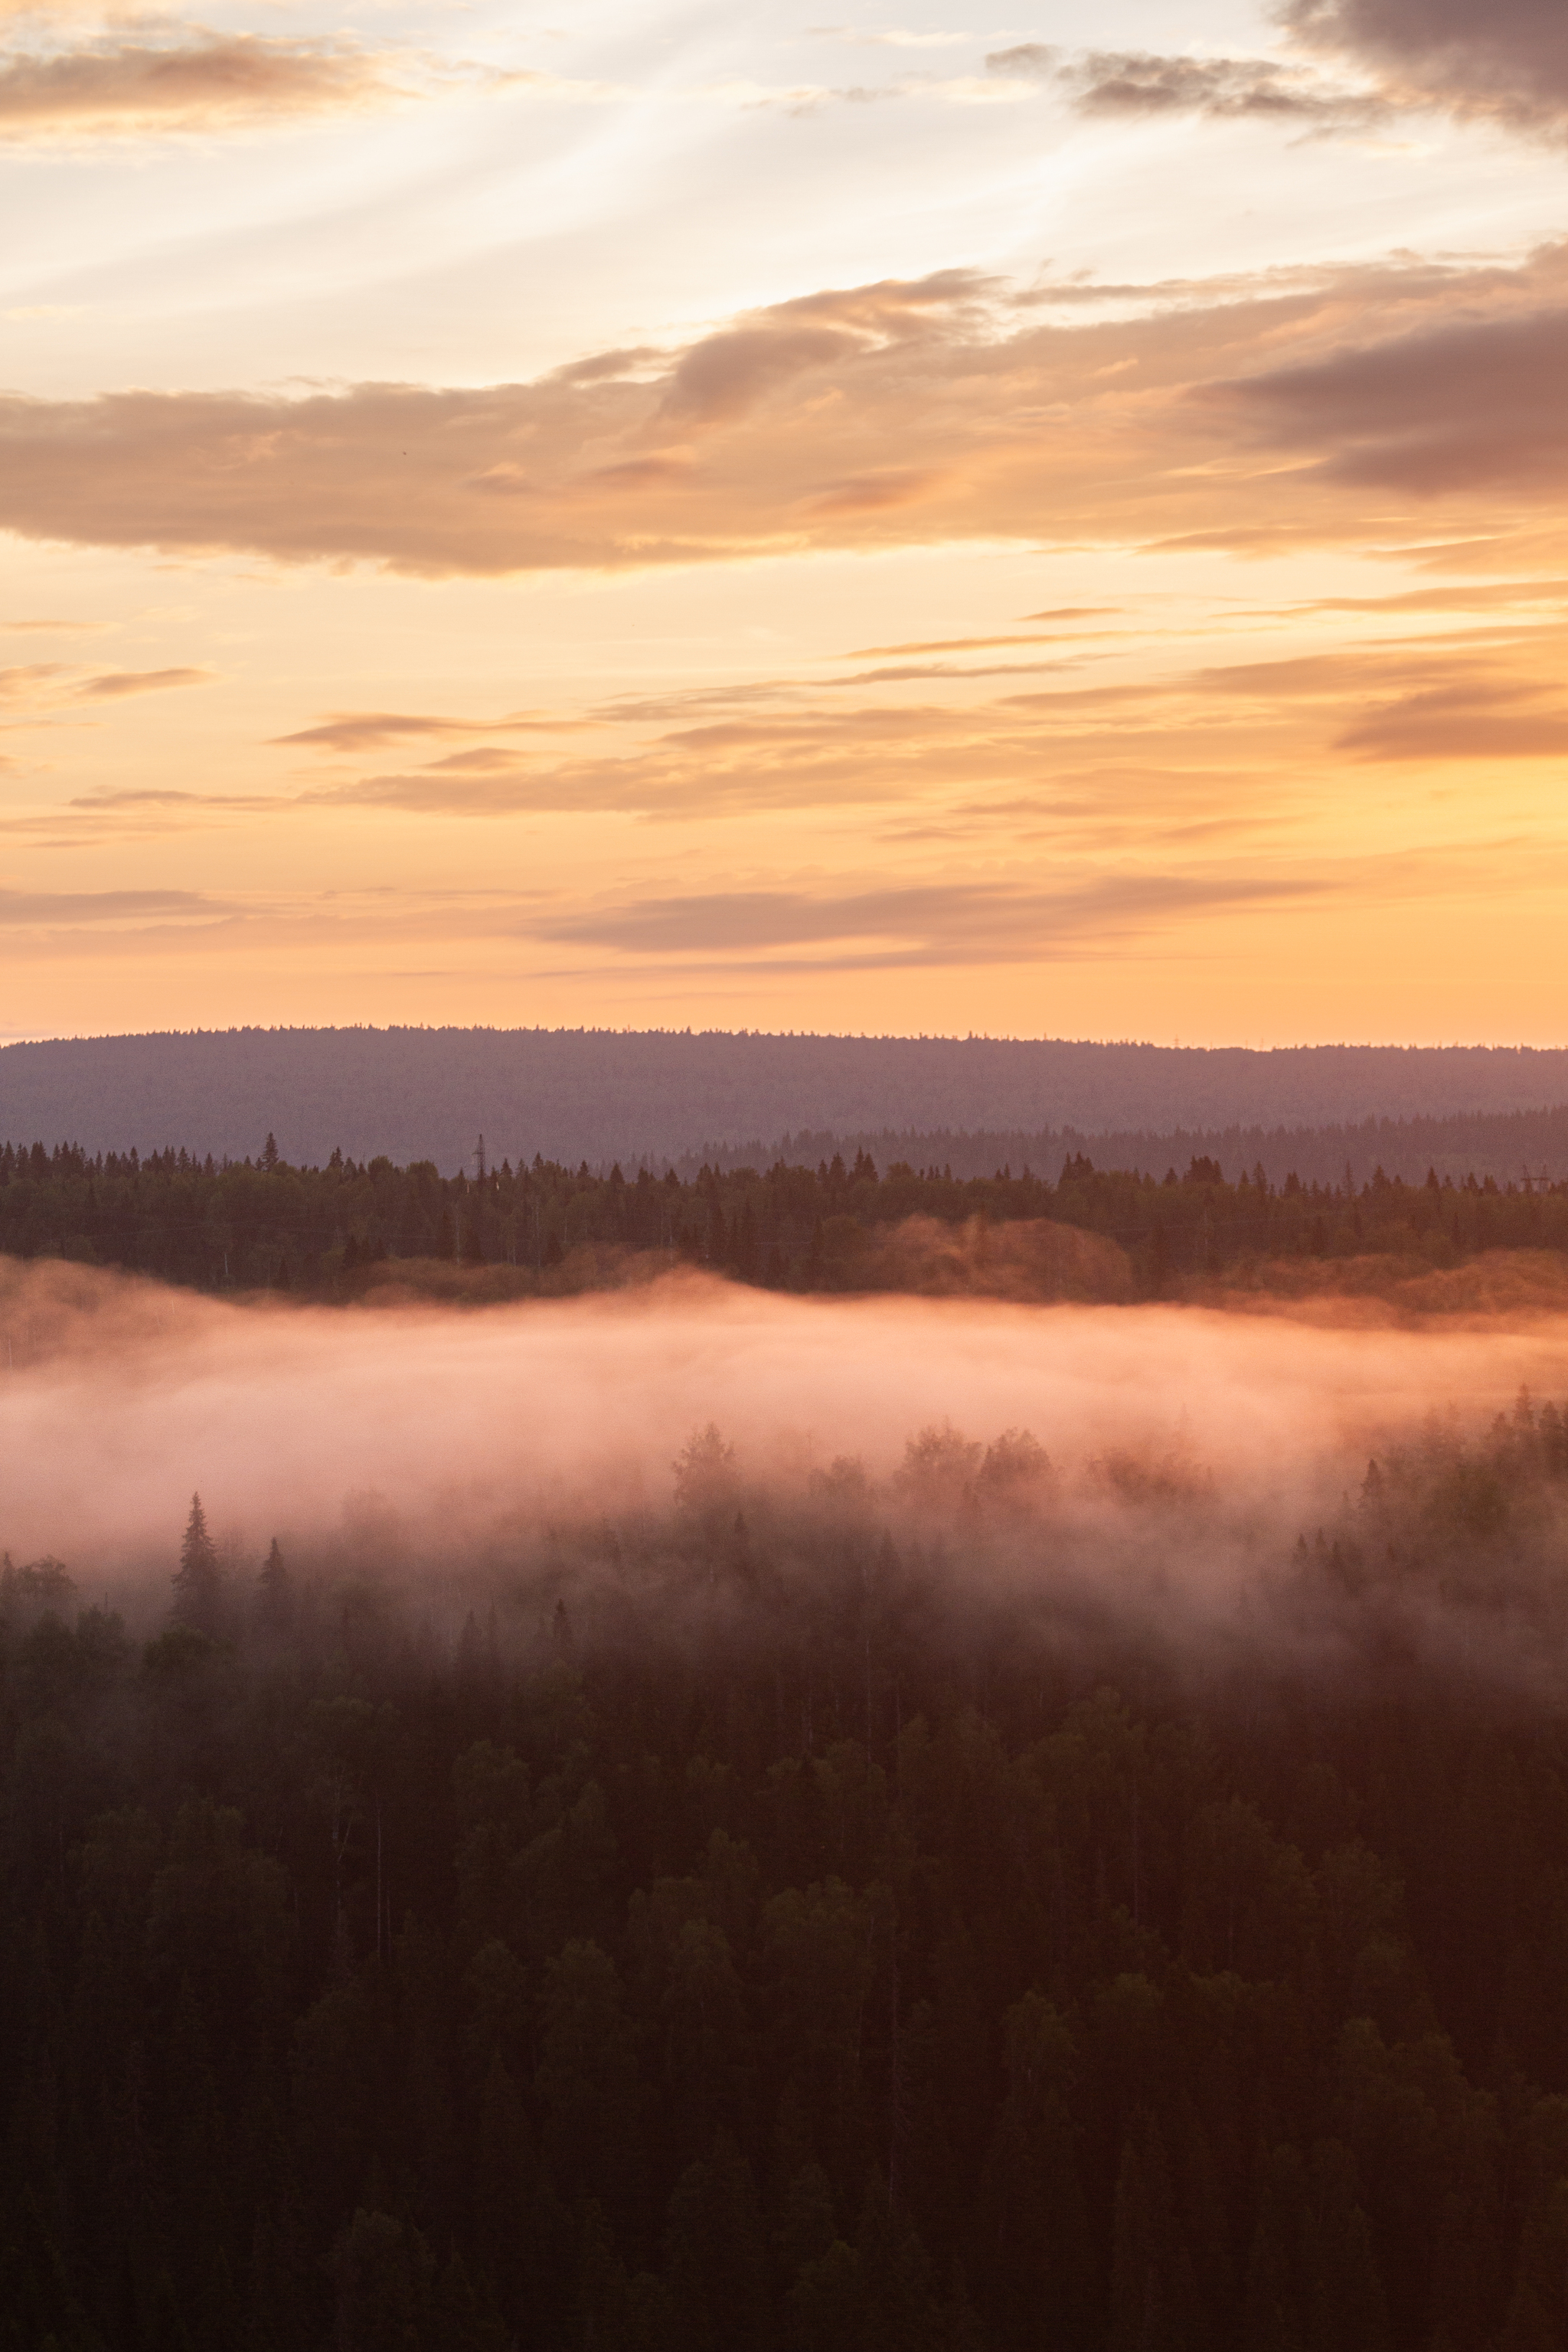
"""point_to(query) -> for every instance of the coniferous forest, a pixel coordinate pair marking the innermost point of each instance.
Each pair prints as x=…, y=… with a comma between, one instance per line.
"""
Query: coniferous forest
x=333, y=1231
x=838, y=1916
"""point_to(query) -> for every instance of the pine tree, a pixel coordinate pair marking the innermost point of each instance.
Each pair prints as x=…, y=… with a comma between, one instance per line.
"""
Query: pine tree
x=198, y=1581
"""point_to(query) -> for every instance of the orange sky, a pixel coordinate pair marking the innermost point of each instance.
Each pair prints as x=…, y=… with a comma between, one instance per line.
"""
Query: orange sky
x=677, y=516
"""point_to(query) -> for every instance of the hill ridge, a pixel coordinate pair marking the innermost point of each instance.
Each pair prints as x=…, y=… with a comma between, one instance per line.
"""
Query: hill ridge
x=424, y=1093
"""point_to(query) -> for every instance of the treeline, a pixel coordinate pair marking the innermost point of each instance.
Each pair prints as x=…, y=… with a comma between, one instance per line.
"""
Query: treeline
x=1502, y=1144
x=768, y=1926
x=333, y=1230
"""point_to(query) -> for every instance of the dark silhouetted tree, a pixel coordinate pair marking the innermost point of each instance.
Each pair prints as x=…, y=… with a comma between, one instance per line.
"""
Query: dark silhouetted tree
x=198, y=1581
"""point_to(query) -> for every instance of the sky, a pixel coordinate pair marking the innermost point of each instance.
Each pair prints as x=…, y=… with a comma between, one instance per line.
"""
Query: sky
x=641, y=515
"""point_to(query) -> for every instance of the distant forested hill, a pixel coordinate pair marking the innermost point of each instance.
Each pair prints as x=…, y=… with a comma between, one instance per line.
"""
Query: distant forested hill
x=600, y=1095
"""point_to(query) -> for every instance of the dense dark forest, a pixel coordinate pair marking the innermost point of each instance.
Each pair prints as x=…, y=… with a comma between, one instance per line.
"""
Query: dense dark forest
x=603, y=1095
x=333, y=1230
x=815, y=1924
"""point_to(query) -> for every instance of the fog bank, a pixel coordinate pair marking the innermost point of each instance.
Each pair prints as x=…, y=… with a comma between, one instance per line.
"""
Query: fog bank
x=117, y=1399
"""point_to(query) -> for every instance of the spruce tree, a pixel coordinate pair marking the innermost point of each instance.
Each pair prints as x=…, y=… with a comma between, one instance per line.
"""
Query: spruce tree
x=198, y=1581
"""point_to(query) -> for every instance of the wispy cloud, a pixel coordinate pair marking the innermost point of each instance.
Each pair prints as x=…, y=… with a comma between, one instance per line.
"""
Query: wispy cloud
x=48, y=685
x=1142, y=82
x=354, y=731
x=981, y=645
x=115, y=685
x=51, y=628
x=25, y=684
x=1506, y=64
x=1255, y=422
x=19, y=907
x=921, y=924
x=1178, y=747
x=185, y=78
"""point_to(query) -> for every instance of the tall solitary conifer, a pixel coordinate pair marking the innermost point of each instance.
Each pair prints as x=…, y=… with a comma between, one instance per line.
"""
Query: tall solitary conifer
x=198, y=1581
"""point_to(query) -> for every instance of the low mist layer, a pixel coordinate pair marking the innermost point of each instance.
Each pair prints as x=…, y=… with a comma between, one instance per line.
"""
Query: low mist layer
x=1201, y=1441
x=730, y=1820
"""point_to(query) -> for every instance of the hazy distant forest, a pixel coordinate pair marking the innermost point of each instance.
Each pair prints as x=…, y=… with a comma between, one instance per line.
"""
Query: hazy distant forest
x=679, y=1097
x=336, y=1231
x=801, y=1924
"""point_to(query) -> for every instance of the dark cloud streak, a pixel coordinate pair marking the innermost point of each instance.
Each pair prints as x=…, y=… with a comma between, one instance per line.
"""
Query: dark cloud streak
x=1225, y=90
x=1504, y=61
x=919, y=924
x=1468, y=406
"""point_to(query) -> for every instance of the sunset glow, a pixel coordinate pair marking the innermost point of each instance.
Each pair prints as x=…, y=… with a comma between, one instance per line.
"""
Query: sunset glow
x=681, y=516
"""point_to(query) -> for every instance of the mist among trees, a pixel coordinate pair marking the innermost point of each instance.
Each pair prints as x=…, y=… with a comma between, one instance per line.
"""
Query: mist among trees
x=839, y=1914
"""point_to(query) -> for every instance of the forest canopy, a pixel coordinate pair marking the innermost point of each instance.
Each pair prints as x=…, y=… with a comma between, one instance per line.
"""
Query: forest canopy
x=834, y=1914
x=338, y=1230
x=738, y=1810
